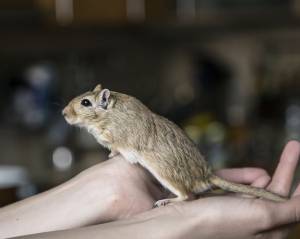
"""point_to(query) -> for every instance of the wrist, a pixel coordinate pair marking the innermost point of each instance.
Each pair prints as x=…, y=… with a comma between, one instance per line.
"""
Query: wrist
x=97, y=194
x=75, y=203
x=170, y=222
x=113, y=183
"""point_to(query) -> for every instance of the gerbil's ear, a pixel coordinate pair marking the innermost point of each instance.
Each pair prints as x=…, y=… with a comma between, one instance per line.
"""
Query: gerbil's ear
x=98, y=88
x=103, y=98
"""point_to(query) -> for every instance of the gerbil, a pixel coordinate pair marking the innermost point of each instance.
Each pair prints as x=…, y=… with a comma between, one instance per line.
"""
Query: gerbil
x=124, y=125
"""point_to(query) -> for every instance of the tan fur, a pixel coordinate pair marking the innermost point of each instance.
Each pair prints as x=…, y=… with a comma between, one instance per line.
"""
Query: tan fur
x=130, y=128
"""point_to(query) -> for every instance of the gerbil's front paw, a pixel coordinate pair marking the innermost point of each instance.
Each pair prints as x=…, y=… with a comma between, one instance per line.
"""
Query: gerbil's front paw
x=113, y=154
x=162, y=202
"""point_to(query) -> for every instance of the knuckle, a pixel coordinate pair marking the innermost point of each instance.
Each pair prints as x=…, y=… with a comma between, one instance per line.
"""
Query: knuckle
x=116, y=193
x=264, y=180
x=115, y=197
x=264, y=173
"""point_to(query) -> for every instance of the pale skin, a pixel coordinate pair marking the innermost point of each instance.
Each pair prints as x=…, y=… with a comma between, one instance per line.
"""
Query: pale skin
x=127, y=195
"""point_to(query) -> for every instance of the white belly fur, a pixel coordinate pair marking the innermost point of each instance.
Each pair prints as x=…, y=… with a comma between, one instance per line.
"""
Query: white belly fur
x=130, y=155
x=134, y=157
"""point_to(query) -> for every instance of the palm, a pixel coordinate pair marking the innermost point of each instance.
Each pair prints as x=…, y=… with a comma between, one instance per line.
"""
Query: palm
x=260, y=218
x=141, y=192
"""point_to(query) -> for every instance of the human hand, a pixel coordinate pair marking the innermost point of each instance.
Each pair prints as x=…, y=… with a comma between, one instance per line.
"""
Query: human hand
x=141, y=191
x=133, y=190
x=217, y=217
x=238, y=217
x=105, y=192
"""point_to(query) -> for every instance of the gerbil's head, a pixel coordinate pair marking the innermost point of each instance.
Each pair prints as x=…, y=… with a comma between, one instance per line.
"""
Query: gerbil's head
x=89, y=107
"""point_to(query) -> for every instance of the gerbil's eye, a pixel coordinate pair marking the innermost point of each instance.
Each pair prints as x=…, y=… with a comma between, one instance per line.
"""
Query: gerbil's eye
x=86, y=103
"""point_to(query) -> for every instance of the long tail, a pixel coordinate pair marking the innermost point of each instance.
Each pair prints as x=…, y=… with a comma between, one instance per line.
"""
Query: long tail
x=246, y=189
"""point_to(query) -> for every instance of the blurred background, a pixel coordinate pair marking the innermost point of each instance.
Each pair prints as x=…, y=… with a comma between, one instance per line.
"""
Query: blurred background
x=227, y=71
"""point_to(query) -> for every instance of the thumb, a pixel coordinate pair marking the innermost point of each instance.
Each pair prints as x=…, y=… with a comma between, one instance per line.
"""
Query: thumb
x=287, y=212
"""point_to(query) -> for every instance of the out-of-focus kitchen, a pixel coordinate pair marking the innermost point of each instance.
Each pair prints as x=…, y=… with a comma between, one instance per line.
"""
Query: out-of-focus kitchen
x=226, y=71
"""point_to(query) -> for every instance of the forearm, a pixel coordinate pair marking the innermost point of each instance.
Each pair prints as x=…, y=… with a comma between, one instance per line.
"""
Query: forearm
x=165, y=226
x=78, y=202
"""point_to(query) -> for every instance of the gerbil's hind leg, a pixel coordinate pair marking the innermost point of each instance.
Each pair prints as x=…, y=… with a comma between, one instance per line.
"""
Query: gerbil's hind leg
x=172, y=185
x=202, y=187
x=166, y=201
x=180, y=192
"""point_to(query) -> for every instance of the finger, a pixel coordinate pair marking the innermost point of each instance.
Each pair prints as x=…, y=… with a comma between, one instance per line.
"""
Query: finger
x=245, y=175
x=284, y=173
x=261, y=182
x=286, y=213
